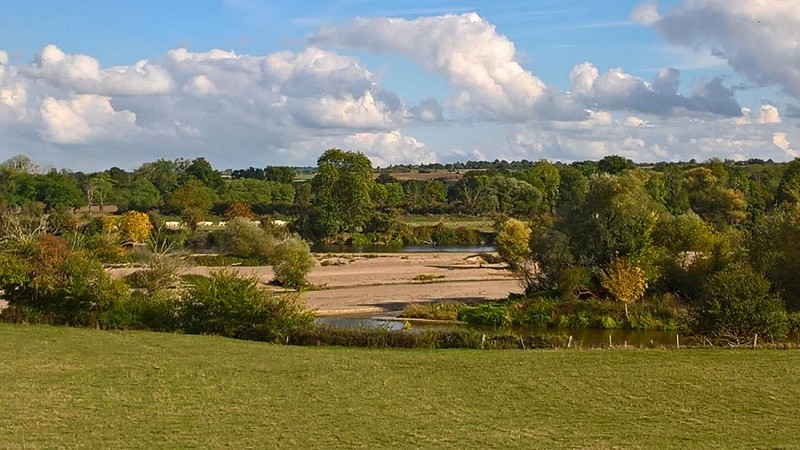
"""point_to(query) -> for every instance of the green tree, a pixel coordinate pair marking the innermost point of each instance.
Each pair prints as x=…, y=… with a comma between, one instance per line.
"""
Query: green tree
x=789, y=187
x=138, y=195
x=280, y=174
x=342, y=192
x=737, y=303
x=191, y=195
x=291, y=261
x=616, y=218
x=164, y=174
x=58, y=189
x=98, y=188
x=201, y=170
x=513, y=244
x=246, y=239
x=774, y=250
x=614, y=164
x=545, y=177
x=712, y=199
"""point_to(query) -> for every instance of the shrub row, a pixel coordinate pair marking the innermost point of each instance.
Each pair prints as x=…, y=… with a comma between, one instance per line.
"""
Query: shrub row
x=429, y=338
x=553, y=312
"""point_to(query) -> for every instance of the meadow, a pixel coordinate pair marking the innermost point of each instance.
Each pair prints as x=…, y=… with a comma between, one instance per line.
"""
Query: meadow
x=70, y=387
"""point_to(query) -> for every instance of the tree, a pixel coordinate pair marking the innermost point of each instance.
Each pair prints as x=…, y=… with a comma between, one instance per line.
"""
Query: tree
x=624, y=281
x=258, y=191
x=774, y=250
x=279, y=174
x=98, y=187
x=292, y=260
x=135, y=227
x=246, y=239
x=191, y=195
x=201, y=170
x=546, y=178
x=789, y=187
x=712, y=200
x=737, y=303
x=21, y=163
x=138, y=195
x=239, y=209
x=616, y=218
x=513, y=245
x=164, y=174
x=58, y=189
x=513, y=241
x=342, y=191
x=614, y=164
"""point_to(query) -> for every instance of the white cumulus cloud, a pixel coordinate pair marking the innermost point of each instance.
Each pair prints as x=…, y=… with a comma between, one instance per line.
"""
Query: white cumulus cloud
x=480, y=64
x=83, y=74
x=83, y=118
x=758, y=38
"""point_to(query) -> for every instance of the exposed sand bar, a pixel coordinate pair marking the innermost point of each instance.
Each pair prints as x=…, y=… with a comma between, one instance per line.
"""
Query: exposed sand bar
x=384, y=283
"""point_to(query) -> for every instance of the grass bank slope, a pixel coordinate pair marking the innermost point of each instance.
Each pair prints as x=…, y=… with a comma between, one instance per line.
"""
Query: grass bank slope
x=65, y=387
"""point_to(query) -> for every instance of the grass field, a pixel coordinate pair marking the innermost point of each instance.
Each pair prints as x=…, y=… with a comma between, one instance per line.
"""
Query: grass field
x=70, y=388
x=478, y=223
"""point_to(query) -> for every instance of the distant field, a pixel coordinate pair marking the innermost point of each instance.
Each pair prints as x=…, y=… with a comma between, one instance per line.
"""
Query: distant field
x=83, y=388
x=427, y=176
x=480, y=223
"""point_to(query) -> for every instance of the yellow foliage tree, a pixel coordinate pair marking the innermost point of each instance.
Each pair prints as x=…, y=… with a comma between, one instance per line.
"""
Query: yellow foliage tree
x=239, y=209
x=135, y=227
x=624, y=281
x=110, y=223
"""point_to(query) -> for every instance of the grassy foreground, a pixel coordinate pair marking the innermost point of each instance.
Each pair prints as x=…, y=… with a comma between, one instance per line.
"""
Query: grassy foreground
x=63, y=387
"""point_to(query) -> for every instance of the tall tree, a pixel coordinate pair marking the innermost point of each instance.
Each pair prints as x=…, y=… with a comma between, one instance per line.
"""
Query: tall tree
x=98, y=188
x=342, y=191
x=201, y=170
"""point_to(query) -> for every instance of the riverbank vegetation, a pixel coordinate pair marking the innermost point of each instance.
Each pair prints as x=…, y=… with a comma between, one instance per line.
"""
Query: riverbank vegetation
x=708, y=248
x=89, y=388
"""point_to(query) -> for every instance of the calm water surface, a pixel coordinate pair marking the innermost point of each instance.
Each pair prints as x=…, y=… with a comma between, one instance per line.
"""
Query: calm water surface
x=582, y=337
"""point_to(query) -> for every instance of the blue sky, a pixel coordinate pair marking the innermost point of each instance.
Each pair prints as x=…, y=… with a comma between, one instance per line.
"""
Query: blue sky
x=92, y=84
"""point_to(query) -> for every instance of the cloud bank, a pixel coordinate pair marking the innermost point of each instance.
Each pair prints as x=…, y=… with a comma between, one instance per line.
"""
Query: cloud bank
x=287, y=107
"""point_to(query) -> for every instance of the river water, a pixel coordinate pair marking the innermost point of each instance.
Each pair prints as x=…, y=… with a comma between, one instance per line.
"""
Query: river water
x=586, y=337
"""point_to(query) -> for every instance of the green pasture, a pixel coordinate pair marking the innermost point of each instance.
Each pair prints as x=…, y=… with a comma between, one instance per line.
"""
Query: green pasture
x=79, y=388
x=478, y=223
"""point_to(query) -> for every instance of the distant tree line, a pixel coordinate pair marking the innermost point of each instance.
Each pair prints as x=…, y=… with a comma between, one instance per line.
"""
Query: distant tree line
x=718, y=239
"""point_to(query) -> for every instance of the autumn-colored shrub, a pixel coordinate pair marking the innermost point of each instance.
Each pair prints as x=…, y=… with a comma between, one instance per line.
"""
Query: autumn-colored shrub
x=624, y=281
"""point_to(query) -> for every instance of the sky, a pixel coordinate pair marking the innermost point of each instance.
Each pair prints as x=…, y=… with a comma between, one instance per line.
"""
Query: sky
x=95, y=84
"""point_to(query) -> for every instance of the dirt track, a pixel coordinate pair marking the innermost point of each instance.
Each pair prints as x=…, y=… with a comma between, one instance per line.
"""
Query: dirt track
x=384, y=283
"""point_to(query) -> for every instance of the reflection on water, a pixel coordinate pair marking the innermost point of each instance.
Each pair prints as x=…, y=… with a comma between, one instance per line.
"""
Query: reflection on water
x=588, y=337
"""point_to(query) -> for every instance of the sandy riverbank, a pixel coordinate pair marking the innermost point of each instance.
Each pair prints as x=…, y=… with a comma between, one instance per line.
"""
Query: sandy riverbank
x=384, y=283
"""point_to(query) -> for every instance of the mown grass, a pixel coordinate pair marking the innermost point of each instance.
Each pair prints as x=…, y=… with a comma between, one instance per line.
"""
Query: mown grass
x=67, y=387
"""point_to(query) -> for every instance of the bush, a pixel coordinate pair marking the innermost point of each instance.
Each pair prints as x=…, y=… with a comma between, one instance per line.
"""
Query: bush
x=496, y=315
x=539, y=312
x=58, y=286
x=737, y=303
x=245, y=239
x=292, y=260
x=162, y=273
x=232, y=305
x=433, y=311
x=449, y=338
